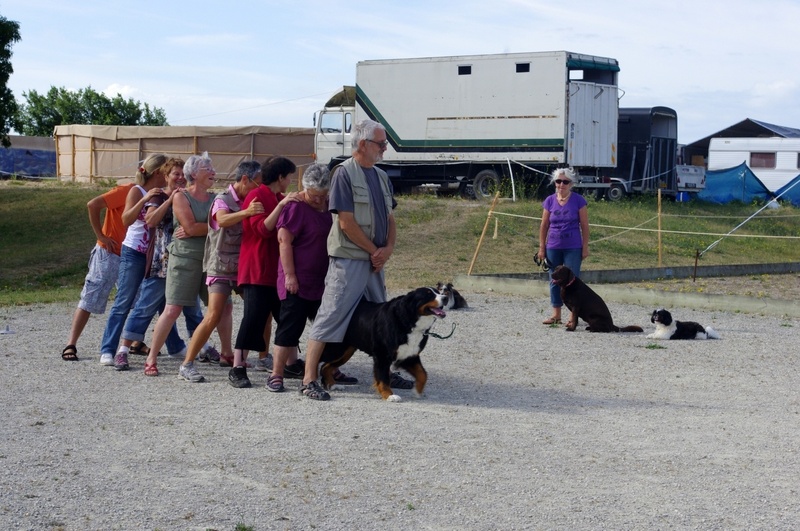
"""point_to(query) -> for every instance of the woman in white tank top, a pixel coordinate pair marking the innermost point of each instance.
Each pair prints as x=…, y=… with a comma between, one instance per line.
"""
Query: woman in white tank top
x=149, y=180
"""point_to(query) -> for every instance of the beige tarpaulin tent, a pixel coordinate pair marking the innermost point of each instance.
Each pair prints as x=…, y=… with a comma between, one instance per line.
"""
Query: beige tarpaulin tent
x=85, y=153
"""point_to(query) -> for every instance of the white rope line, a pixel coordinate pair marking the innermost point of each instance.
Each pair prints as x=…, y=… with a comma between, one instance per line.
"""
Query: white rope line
x=513, y=215
x=725, y=217
x=702, y=233
x=723, y=236
x=623, y=232
x=637, y=228
x=530, y=168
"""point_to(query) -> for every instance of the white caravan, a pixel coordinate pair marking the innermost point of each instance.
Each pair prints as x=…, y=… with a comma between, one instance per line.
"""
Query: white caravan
x=775, y=160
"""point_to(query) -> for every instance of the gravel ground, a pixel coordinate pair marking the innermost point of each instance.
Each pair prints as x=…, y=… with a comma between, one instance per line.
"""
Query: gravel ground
x=524, y=427
x=780, y=287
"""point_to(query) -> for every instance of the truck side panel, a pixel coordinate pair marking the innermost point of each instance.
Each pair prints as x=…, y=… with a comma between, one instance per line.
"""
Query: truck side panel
x=592, y=126
x=482, y=109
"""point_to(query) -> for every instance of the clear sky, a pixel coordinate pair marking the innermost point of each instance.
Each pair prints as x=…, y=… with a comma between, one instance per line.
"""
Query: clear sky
x=260, y=62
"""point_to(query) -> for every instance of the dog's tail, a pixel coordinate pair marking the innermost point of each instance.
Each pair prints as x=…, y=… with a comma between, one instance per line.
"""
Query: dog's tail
x=711, y=333
x=632, y=328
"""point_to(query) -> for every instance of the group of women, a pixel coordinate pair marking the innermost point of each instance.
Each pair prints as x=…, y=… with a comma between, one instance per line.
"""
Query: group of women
x=175, y=255
x=278, y=266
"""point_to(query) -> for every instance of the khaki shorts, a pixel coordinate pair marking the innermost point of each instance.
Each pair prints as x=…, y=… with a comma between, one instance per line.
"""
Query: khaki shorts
x=226, y=286
x=100, y=280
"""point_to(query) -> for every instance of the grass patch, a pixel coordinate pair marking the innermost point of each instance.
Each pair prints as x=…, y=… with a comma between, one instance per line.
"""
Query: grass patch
x=444, y=246
x=654, y=346
x=45, y=238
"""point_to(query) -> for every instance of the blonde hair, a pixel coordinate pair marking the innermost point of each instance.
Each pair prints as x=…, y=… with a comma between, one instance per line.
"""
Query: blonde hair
x=149, y=167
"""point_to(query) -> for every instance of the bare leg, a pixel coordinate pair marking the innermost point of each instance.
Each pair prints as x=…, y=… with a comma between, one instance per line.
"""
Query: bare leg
x=240, y=357
x=280, y=358
x=163, y=326
x=267, y=337
x=79, y=320
x=313, y=355
x=214, y=318
x=224, y=326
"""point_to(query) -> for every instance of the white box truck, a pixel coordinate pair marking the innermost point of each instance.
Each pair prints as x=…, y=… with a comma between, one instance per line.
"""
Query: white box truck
x=459, y=122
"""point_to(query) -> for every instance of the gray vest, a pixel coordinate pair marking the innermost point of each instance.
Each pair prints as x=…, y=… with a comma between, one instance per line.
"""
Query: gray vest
x=338, y=243
x=221, y=257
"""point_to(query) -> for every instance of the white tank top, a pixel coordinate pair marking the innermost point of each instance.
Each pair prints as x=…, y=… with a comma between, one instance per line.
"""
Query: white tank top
x=138, y=235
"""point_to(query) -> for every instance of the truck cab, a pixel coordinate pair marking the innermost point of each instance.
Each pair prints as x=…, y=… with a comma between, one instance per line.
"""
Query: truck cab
x=333, y=137
x=333, y=125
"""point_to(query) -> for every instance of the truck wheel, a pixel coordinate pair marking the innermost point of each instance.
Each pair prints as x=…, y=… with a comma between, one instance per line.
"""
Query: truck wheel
x=485, y=184
x=615, y=192
x=465, y=191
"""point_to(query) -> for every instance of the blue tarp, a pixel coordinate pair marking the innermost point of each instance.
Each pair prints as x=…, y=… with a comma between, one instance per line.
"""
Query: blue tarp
x=790, y=192
x=27, y=162
x=735, y=184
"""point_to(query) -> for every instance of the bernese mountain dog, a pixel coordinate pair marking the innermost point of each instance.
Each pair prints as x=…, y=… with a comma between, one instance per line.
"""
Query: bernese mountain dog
x=667, y=328
x=393, y=333
x=454, y=299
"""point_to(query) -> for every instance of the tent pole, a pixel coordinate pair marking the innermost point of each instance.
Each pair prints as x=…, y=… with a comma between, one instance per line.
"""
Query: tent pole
x=91, y=160
x=659, y=227
x=483, y=234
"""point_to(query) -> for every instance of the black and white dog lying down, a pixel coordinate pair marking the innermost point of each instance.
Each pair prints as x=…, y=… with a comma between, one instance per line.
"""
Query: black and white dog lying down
x=667, y=328
x=454, y=298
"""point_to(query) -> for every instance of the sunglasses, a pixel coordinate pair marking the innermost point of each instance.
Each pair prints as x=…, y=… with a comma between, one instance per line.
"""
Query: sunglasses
x=562, y=181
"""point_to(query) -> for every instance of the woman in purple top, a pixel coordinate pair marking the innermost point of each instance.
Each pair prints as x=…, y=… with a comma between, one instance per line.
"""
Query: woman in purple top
x=563, y=234
x=303, y=229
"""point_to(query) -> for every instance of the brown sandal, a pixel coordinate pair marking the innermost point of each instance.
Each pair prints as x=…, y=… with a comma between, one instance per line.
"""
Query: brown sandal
x=551, y=321
x=139, y=348
x=70, y=353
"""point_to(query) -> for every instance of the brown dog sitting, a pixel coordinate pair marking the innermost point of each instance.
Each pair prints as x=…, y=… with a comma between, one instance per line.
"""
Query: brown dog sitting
x=586, y=304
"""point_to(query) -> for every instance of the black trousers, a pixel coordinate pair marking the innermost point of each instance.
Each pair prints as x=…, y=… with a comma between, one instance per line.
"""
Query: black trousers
x=260, y=302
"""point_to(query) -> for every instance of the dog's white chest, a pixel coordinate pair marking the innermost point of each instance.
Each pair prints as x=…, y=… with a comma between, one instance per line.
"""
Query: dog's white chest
x=412, y=346
x=662, y=332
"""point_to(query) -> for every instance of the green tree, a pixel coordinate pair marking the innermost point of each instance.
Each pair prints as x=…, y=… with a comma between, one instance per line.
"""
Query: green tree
x=9, y=34
x=39, y=115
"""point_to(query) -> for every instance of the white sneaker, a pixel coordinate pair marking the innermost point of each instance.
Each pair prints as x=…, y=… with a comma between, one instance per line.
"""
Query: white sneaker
x=264, y=364
x=189, y=372
x=107, y=359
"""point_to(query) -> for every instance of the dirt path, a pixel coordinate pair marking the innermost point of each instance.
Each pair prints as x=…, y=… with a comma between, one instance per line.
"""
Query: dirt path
x=524, y=427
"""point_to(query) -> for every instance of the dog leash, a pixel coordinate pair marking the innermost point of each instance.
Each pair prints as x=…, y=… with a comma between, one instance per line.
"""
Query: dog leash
x=437, y=336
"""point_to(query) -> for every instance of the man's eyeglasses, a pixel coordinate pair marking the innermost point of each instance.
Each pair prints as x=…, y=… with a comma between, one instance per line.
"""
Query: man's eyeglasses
x=383, y=144
x=562, y=181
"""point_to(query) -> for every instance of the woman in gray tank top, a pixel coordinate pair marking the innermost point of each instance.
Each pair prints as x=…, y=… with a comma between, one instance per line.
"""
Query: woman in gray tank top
x=185, y=266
